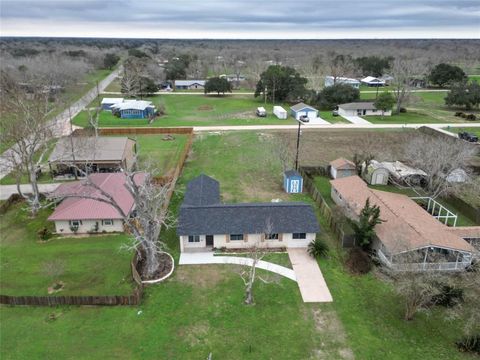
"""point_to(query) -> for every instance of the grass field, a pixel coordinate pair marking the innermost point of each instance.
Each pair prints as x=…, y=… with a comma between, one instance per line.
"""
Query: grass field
x=410, y=117
x=471, y=130
x=186, y=110
x=199, y=310
x=88, y=266
x=327, y=115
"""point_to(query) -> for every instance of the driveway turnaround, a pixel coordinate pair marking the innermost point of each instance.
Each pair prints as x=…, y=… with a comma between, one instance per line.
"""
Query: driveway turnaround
x=199, y=258
x=309, y=277
x=355, y=119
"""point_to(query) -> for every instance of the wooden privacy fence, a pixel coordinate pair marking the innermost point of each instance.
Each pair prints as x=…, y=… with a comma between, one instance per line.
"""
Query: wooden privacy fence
x=325, y=210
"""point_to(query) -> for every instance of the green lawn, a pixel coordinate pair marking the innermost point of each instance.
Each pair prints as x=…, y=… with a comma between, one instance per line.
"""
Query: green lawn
x=89, y=265
x=199, y=309
x=410, y=117
x=471, y=130
x=186, y=110
x=163, y=154
x=327, y=115
x=322, y=183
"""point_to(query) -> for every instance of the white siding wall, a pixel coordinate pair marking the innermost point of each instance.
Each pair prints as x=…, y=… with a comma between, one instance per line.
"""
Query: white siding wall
x=333, y=172
x=63, y=227
x=220, y=241
x=379, y=112
x=344, y=112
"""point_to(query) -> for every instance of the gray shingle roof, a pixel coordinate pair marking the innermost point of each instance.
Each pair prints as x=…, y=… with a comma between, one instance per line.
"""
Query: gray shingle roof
x=289, y=173
x=203, y=190
x=301, y=106
x=202, y=214
x=250, y=218
x=358, y=105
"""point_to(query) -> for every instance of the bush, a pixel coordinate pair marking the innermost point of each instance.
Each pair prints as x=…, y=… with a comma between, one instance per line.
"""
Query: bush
x=463, y=115
x=44, y=234
x=459, y=113
x=318, y=248
x=403, y=110
x=358, y=261
x=449, y=296
x=471, y=117
x=469, y=344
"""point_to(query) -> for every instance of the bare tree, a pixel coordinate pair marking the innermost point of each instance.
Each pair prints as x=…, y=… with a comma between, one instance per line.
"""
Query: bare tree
x=256, y=252
x=439, y=158
x=340, y=65
x=27, y=129
x=150, y=215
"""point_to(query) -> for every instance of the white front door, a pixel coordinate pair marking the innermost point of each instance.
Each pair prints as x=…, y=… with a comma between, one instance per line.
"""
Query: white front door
x=295, y=186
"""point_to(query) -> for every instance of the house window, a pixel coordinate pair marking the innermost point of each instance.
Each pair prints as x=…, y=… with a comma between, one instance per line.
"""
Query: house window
x=271, y=236
x=193, y=238
x=75, y=222
x=299, y=236
x=236, y=236
x=108, y=222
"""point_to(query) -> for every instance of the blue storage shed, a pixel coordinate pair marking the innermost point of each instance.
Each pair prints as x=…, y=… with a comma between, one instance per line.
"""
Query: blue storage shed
x=292, y=182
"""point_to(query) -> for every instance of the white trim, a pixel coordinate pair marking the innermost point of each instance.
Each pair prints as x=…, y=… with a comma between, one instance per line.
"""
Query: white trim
x=156, y=281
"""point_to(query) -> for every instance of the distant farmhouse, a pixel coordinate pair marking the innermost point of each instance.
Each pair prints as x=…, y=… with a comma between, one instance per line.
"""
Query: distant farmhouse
x=330, y=80
x=205, y=222
x=92, y=154
x=189, y=84
x=373, y=81
x=361, y=109
x=80, y=215
x=409, y=238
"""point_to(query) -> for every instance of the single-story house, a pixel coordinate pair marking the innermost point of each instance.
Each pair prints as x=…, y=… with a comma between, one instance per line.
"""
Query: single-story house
x=92, y=154
x=341, y=167
x=361, y=109
x=108, y=102
x=376, y=173
x=189, y=84
x=409, y=238
x=206, y=223
x=302, y=109
x=388, y=79
x=372, y=81
x=79, y=215
x=330, y=80
x=134, y=109
x=292, y=182
x=233, y=77
x=403, y=173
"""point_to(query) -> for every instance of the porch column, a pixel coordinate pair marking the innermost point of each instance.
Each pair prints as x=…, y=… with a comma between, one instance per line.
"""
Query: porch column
x=425, y=258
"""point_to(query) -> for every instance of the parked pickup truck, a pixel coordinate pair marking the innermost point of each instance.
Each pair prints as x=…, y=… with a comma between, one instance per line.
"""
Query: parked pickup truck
x=468, y=137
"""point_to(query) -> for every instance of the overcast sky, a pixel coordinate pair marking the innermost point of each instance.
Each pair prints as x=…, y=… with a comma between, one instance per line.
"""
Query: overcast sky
x=309, y=19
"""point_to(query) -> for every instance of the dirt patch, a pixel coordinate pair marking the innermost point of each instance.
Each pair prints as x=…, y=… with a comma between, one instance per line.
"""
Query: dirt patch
x=202, y=276
x=319, y=147
x=164, y=268
x=333, y=344
x=205, y=108
x=195, y=334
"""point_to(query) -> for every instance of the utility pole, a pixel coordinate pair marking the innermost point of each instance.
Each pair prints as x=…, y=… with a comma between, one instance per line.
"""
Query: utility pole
x=298, y=144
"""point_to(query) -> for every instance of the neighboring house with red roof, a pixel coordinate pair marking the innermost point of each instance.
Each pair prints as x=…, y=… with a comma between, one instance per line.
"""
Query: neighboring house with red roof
x=341, y=167
x=407, y=229
x=81, y=212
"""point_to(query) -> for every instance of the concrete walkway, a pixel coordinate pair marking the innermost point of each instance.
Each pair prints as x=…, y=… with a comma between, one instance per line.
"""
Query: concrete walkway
x=355, y=119
x=200, y=258
x=7, y=190
x=309, y=277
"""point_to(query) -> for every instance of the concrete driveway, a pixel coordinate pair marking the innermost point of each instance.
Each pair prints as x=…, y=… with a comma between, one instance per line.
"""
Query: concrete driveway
x=310, y=280
x=355, y=119
x=7, y=190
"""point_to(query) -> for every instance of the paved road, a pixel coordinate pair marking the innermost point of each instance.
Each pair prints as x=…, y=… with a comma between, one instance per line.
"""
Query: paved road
x=7, y=190
x=310, y=279
x=61, y=123
x=330, y=126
